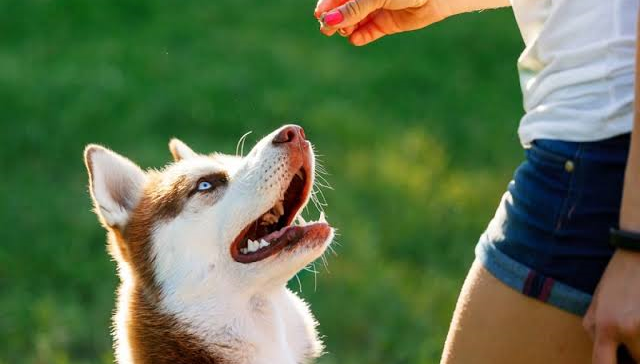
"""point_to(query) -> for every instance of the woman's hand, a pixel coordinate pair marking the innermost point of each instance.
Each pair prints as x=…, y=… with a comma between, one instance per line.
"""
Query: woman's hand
x=364, y=21
x=613, y=319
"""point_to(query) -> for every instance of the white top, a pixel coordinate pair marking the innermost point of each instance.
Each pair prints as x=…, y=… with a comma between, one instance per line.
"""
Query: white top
x=577, y=69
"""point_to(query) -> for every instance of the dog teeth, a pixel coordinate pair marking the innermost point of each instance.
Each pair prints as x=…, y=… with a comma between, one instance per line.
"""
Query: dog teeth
x=268, y=218
x=299, y=173
x=279, y=208
x=254, y=246
x=273, y=218
x=322, y=217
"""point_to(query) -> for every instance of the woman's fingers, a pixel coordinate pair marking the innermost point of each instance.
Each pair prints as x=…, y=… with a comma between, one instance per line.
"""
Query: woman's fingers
x=634, y=350
x=604, y=349
x=603, y=342
x=367, y=33
x=326, y=5
x=378, y=24
x=613, y=319
x=630, y=334
x=345, y=32
x=328, y=31
x=350, y=13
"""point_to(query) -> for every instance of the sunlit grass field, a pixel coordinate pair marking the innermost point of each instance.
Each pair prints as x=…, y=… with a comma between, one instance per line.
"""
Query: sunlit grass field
x=417, y=132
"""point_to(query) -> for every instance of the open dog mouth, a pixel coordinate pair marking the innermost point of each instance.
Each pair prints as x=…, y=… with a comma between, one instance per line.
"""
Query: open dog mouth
x=273, y=231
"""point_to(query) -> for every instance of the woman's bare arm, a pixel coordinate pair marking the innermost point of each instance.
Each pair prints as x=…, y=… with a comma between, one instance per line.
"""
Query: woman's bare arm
x=613, y=318
x=630, y=211
x=465, y=6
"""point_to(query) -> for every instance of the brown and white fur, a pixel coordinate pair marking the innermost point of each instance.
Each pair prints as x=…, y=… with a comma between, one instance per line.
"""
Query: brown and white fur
x=192, y=288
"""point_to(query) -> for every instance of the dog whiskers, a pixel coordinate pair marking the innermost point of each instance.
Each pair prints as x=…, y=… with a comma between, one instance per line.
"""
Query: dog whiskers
x=299, y=283
x=240, y=144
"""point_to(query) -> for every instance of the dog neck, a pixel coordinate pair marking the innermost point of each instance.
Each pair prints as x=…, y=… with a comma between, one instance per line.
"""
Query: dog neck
x=271, y=326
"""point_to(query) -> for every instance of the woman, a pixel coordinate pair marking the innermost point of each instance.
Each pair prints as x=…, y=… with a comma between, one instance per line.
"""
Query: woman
x=530, y=296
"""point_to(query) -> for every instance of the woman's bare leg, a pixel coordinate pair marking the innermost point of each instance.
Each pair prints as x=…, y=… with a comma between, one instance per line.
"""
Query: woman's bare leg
x=494, y=324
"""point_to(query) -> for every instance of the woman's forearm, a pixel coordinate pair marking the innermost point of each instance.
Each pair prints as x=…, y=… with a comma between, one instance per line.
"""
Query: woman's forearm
x=630, y=210
x=454, y=7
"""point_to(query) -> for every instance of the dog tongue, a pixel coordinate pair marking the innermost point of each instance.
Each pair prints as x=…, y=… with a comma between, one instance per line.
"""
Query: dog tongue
x=289, y=233
x=276, y=234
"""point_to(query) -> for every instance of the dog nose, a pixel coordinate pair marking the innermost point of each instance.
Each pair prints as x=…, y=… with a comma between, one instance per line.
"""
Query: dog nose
x=289, y=134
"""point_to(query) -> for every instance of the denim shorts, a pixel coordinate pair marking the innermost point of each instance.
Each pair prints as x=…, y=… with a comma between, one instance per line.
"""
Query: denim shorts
x=549, y=237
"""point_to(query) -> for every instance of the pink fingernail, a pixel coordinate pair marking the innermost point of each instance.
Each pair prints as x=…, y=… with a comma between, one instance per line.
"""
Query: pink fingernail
x=333, y=18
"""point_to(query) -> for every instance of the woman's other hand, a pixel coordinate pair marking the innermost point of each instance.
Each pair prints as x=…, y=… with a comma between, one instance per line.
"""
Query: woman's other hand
x=364, y=21
x=613, y=318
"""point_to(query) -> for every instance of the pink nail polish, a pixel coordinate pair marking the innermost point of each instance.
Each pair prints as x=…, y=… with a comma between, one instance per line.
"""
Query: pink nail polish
x=333, y=18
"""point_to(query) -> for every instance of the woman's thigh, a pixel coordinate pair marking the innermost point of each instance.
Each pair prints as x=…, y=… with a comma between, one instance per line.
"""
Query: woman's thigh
x=493, y=323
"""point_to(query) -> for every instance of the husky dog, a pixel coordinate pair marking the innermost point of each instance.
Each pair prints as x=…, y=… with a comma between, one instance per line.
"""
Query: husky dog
x=205, y=248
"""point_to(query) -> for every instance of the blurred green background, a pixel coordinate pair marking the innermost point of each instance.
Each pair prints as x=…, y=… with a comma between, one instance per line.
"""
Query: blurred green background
x=417, y=131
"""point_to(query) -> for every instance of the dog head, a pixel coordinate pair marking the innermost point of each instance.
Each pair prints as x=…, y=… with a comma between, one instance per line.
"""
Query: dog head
x=211, y=223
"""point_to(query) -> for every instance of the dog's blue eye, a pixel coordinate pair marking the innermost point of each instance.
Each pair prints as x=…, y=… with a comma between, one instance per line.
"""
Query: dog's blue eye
x=204, y=186
x=210, y=183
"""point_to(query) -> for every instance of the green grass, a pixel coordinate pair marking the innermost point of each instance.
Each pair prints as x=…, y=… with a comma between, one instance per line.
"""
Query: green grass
x=418, y=132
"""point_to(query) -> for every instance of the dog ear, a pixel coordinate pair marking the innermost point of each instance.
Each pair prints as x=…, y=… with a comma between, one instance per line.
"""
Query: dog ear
x=179, y=150
x=116, y=185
